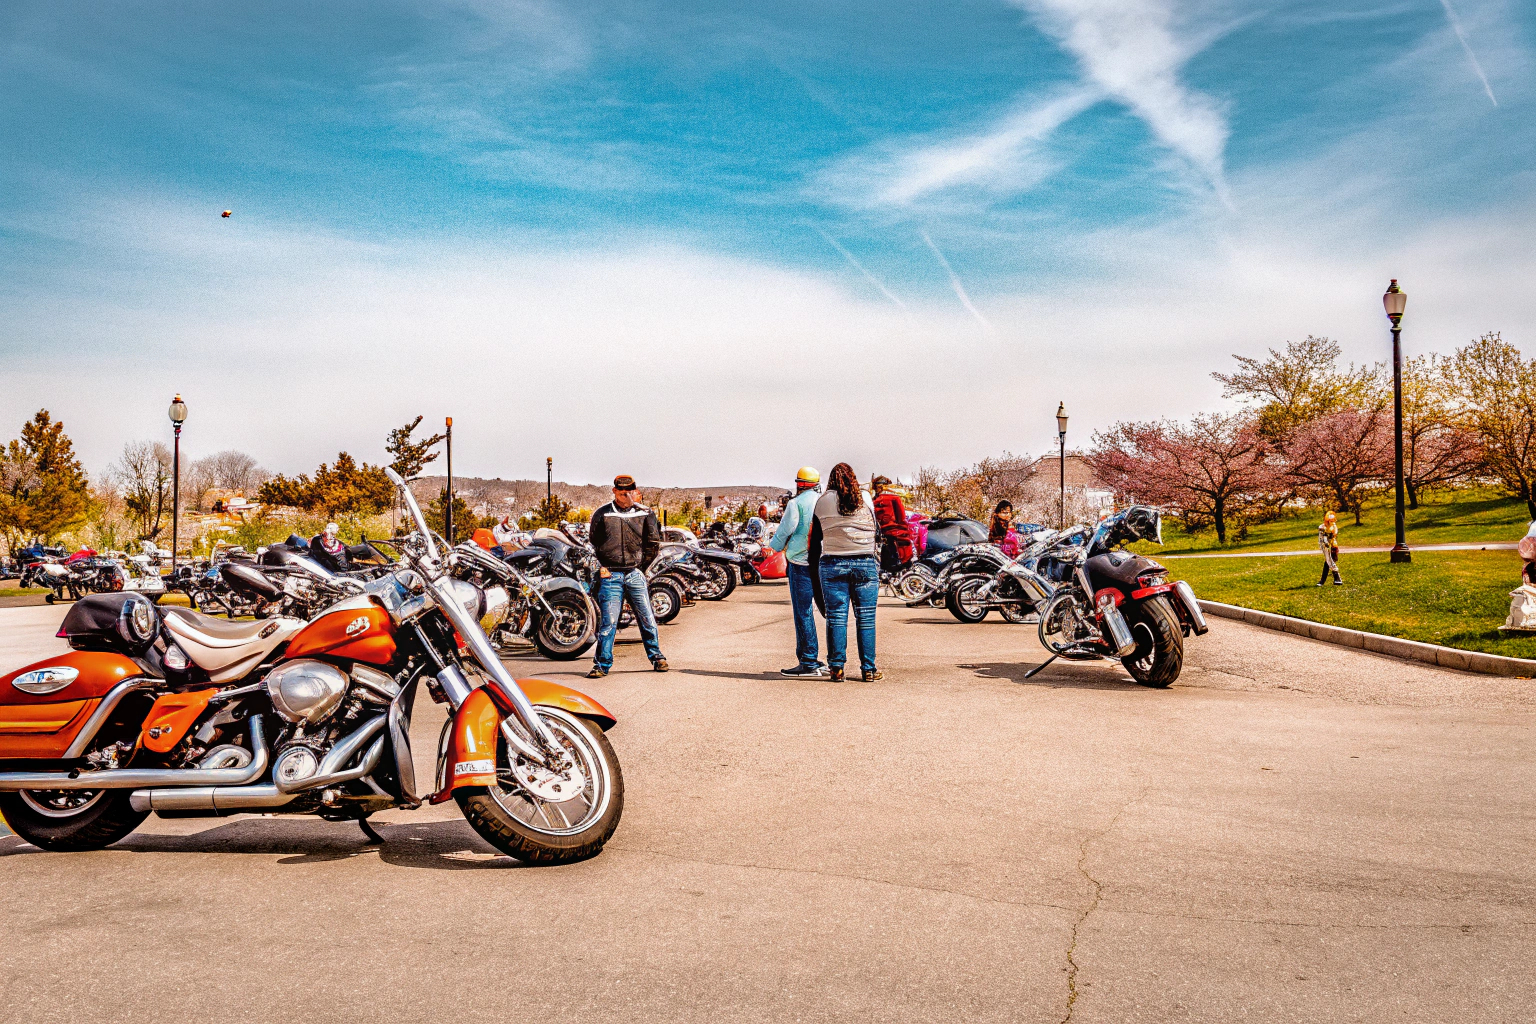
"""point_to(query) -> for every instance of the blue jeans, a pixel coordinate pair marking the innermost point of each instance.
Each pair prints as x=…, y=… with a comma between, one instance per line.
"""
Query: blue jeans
x=612, y=591
x=850, y=580
x=802, y=601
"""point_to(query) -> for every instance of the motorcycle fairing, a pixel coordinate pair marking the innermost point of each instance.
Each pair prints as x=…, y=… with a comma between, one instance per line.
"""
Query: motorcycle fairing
x=43, y=725
x=468, y=756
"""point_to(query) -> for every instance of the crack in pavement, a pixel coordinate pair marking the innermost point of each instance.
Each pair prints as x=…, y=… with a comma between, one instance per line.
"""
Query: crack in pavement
x=1169, y=915
x=1093, y=902
x=845, y=876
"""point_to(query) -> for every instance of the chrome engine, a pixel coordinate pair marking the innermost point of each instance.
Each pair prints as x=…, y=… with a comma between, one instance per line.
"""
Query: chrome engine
x=306, y=691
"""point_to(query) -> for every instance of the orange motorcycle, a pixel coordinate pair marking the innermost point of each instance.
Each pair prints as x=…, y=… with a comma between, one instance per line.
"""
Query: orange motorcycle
x=169, y=711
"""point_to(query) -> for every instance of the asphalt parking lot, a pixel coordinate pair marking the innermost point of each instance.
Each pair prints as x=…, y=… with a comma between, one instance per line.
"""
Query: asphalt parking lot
x=1293, y=832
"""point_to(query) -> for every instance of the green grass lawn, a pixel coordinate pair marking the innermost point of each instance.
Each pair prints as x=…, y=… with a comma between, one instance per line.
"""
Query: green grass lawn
x=1448, y=517
x=1455, y=598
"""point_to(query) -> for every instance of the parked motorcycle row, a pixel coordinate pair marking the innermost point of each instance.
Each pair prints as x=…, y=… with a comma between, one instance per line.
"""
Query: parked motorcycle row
x=71, y=576
x=299, y=701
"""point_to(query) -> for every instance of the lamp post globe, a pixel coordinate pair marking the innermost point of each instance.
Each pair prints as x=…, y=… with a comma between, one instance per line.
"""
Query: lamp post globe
x=178, y=415
x=1061, y=461
x=1395, y=301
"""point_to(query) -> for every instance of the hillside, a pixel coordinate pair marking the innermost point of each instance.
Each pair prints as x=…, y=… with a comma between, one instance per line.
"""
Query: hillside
x=499, y=496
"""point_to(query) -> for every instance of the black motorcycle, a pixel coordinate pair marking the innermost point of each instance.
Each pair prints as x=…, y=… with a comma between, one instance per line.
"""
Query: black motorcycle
x=1109, y=602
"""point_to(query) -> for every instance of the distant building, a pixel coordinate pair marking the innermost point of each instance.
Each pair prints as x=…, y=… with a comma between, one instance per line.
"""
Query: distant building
x=1080, y=477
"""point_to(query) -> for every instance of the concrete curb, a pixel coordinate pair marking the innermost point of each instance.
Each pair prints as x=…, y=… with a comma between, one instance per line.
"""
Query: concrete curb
x=1410, y=650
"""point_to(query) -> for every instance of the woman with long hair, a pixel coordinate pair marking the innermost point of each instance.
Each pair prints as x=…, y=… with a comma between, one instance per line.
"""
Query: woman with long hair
x=1002, y=532
x=842, y=547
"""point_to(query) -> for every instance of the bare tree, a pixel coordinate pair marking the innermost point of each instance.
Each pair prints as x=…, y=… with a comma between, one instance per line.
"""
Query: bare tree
x=236, y=471
x=144, y=473
x=196, y=481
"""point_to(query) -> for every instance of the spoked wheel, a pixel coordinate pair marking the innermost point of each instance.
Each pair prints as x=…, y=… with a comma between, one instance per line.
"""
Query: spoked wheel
x=717, y=582
x=1014, y=612
x=569, y=631
x=70, y=820
x=914, y=584
x=964, y=599
x=666, y=599
x=1159, y=654
x=542, y=818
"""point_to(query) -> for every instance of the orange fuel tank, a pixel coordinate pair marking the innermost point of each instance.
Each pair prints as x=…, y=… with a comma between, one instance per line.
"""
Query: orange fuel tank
x=360, y=632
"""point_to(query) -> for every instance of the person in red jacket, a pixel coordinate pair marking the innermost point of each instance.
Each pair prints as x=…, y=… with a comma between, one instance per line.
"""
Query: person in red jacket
x=895, y=531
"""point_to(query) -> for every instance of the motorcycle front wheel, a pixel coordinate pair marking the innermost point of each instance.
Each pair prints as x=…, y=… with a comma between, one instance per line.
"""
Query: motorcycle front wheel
x=512, y=818
x=666, y=599
x=963, y=600
x=1159, y=654
x=567, y=633
x=719, y=581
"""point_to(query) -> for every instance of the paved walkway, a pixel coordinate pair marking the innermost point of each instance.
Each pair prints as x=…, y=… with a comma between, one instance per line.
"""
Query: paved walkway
x=1293, y=832
x=1317, y=553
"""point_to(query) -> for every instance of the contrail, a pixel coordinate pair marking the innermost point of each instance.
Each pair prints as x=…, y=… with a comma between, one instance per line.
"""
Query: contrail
x=861, y=269
x=1450, y=15
x=954, y=282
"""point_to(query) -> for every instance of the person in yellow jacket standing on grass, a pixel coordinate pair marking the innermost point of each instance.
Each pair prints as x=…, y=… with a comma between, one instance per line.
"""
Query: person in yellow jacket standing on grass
x=1328, y=541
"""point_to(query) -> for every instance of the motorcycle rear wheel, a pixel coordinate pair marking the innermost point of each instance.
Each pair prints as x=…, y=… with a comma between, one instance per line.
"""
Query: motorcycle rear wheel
x=568, y=633
x=1159, y=654
x=539, y=832
x=70, y=821
x=962, y=601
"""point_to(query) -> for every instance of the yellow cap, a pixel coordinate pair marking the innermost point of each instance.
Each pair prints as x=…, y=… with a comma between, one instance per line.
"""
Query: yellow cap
x=808, y=475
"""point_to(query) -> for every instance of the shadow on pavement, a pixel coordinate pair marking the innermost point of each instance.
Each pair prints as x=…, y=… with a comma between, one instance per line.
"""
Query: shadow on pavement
x=715, y=673
x=1060, y=674
x=443, y=845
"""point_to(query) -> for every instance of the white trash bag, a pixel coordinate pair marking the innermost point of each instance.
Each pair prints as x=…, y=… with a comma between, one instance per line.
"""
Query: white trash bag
x=1522, y=608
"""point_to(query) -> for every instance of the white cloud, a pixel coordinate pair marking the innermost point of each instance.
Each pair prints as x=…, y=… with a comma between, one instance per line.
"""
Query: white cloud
x=959, y=288
x=1461, y=35
x=1005, y=158
x=1130, y=50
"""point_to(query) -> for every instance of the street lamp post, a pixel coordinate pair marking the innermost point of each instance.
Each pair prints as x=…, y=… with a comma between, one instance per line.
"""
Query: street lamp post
x=448, y=509
x=549, y=480
x=1061, y=437
x=1395, y=301
x=178, y=414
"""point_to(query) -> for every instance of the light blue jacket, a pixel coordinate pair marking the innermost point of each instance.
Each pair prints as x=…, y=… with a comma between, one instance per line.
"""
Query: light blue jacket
x=794, y=532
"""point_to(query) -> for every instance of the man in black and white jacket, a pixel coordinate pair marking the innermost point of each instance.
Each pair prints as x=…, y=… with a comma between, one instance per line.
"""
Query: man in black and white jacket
x=626, y=537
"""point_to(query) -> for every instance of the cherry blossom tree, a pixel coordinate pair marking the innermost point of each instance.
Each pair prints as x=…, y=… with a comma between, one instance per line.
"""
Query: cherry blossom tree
x=1217, y=470
x=1338, y=456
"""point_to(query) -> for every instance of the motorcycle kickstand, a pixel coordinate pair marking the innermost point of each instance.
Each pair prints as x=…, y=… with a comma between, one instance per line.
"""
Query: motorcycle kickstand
x=1040, y=667
x=373, y=837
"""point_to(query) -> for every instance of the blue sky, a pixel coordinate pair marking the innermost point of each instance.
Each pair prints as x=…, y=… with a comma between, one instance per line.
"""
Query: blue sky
x=755, y=235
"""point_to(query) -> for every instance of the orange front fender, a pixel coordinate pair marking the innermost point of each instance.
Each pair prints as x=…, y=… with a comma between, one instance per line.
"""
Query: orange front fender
x=468, y=754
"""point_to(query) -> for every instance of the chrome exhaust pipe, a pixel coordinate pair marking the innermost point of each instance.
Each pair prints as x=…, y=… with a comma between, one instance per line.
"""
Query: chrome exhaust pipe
x=233, y=799
x=1187, y=599
x=139, y=778
x=1119, y=630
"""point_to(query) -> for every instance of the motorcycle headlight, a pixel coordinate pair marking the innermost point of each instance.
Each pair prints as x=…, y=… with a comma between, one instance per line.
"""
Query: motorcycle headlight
x=137, y=623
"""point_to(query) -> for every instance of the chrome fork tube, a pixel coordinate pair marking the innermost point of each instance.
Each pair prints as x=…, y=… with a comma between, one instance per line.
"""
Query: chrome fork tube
x=512, y=694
